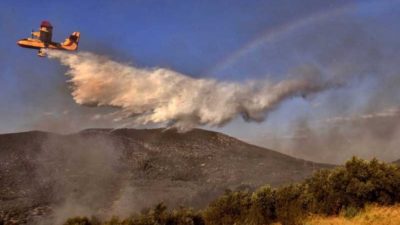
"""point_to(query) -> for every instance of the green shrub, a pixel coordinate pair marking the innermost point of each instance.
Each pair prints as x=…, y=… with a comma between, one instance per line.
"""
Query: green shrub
x=263, y=210
x=291, y=204
x=230, y=208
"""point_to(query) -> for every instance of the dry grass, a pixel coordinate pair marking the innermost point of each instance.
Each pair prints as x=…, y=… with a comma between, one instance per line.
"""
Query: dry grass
x=372, y=215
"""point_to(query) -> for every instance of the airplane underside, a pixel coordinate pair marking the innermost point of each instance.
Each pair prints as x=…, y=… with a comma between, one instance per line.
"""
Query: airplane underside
x=37, y=44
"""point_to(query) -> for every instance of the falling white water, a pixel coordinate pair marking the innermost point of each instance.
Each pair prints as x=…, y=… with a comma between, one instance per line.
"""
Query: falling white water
x=164, y=96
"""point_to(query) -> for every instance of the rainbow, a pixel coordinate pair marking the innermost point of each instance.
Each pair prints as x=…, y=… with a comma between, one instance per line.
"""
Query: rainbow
x=274, y=34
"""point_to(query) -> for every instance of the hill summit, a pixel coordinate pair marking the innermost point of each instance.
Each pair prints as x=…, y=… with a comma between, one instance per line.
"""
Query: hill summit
x=125, y=170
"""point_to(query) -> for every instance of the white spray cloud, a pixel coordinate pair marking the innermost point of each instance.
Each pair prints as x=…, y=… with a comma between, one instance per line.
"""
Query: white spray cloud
x=160, y=95
x=386, y=113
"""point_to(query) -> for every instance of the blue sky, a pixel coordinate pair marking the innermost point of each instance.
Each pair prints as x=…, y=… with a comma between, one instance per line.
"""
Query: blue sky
x=225, y=40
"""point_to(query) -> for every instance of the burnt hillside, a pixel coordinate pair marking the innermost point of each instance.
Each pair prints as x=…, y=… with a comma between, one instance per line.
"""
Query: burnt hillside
x=125, y=170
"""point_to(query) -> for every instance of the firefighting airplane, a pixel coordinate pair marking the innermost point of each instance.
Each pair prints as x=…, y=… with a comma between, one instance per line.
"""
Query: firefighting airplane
x=42, y=39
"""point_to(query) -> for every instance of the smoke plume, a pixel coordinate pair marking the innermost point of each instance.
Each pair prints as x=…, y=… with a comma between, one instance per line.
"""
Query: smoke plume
x=154, y=96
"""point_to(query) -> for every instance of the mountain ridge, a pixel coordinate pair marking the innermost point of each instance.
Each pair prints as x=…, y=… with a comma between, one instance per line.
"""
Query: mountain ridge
x=125, y=170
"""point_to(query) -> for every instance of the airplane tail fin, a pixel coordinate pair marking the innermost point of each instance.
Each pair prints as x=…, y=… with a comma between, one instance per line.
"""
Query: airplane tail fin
x=71, y=43
x=75, y=37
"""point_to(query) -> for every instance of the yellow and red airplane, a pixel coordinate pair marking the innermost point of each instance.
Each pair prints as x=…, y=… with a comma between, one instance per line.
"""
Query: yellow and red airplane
x=42, y=39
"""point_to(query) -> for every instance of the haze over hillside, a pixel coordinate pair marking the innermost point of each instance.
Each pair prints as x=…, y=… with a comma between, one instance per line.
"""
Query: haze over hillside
x=116, y=172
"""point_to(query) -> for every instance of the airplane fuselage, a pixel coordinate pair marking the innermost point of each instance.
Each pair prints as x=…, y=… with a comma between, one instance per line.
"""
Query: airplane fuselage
x=38, y=44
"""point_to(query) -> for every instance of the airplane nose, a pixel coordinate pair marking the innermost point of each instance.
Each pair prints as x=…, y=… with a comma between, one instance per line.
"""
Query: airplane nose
x=22, y=43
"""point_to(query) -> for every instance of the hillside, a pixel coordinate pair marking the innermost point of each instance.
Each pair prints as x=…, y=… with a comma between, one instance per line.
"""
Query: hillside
x=119, y=171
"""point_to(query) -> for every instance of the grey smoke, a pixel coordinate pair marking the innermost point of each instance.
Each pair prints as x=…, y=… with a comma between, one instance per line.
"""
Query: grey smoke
x=82, y=172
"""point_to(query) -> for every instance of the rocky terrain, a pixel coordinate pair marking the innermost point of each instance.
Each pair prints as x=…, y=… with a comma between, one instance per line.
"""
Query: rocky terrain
x=47, y=177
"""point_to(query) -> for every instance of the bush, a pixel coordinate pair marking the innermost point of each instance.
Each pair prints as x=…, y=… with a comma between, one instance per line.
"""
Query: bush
x=231, y=208
x=291, y=204
x=159, y=215
x=78, y=221
x=263, y=202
